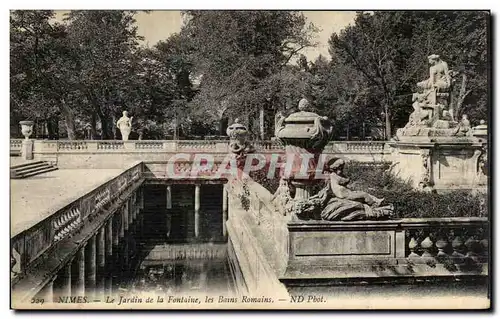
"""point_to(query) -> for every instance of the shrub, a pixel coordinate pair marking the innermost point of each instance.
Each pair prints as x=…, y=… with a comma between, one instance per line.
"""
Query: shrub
x=408, y=202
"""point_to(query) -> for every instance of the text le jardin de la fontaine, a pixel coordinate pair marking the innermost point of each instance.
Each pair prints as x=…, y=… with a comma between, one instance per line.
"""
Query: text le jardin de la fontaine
x=121, y=300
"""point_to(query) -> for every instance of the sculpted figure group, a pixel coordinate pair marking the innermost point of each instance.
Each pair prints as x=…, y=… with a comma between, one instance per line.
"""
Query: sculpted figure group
x=432, y=114
x=334, y=202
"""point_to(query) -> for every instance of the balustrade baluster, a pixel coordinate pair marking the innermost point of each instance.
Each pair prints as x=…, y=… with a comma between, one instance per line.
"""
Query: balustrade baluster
x=484, y=244
x=441, y=245
x=473, y=247
x=427, y=244
x=457, y=256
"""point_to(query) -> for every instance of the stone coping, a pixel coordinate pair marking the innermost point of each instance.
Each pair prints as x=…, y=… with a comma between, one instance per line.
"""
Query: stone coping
x=305, y=225
x=49, y=202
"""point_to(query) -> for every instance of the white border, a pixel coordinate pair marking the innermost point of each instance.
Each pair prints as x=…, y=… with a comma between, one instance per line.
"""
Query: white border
x=200, y=4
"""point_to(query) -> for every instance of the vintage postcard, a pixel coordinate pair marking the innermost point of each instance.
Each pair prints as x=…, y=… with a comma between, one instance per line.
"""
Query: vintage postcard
x=249, y=159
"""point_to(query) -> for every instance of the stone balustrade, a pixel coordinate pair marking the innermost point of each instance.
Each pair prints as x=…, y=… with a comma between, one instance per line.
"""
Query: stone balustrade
x=101, y=153
x=29, y=245
x=186, y=145
x=270, y=246
x=450, y=241
x=198, y=251
x=15, y=146
x=258, y=237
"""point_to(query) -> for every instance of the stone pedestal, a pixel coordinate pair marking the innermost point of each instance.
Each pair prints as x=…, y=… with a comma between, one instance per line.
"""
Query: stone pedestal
x=197, y=200
x=304, y=135
x=445, y=163
x=27, y=149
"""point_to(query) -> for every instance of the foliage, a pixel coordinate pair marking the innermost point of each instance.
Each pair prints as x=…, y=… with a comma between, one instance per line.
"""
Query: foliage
x=245, y=197
x=241, y=56
x=34, y=46
x=224, y=64
x=408, y=202
x=389, y=50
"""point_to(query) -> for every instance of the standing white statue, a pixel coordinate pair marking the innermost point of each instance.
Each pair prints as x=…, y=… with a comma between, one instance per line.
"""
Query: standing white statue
x=125, y=125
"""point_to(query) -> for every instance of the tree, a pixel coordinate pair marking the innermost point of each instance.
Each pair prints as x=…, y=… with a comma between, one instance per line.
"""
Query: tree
x=390, y=48
x=34, y=45
x=240, y=54
x=105, y=42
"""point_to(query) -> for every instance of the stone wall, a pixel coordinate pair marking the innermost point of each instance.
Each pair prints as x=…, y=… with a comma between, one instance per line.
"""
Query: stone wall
x=117, y=154
x=311, y=258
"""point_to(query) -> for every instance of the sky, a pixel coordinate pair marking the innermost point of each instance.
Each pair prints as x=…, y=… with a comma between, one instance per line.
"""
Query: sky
x=159, y=25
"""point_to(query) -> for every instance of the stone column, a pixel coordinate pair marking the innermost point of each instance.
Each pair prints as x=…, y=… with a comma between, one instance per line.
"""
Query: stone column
x=168, y=216
x=109, y=239
x=78, y=277
x=133, y=208
x=101, y=262
x=125, y=254
x=141, y=224
x=130, y=211
x=169, y=197
x=130, y=207
x=64, y=275
x=197, y=200
x=47, y=292
x=125, y=217
x=141, y=198
x=121, y=225
x=109, y=257
x=224, y=209
x=90, y=252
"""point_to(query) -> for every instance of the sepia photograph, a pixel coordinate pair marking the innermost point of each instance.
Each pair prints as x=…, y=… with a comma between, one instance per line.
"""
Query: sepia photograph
x=250, y=159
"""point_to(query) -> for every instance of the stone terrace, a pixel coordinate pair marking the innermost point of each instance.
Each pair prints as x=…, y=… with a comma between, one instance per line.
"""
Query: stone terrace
x=34, y=199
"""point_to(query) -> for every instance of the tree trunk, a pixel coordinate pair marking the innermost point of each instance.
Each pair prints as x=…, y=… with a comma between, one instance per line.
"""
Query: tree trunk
x=113, y=126
x=261, y=123
x=52, y=128
x=105, y=124
x=106, y=128
x=461, y=96
x=93, y=127
x=69, y=120
x=388, y=133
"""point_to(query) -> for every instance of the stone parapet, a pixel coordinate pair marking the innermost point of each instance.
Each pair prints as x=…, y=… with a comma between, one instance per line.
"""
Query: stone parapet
x=441, y=163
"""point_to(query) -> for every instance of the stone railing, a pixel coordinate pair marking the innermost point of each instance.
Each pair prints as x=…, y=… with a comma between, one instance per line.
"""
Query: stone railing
x=28, y=245
x=100, y=153
x=186, y=145
x=259, y=237
x=15, y=146
x=268, y=145
x=187, y=251
x=446, y=240
x=305, y=252
x=148, y=145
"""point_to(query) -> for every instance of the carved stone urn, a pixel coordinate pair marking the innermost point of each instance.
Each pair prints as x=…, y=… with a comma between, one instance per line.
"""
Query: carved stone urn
x=304, y=135
x=26, y=128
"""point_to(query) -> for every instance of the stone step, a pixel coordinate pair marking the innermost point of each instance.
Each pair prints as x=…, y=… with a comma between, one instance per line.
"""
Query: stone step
x=34, y=166
x=26, y=164
x=36, y=172
x=30, y=169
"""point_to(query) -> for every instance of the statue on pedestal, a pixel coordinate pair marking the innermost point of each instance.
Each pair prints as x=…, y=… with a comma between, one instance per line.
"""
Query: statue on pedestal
x=125, y=125
x=432, y=115
x=439, y=75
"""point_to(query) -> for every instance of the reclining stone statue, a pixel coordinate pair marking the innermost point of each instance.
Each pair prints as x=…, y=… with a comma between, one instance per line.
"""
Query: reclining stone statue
x=337, y=202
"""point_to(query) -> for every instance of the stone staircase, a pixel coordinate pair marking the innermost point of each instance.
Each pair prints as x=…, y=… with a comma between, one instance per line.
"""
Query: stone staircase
x=31, y=169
